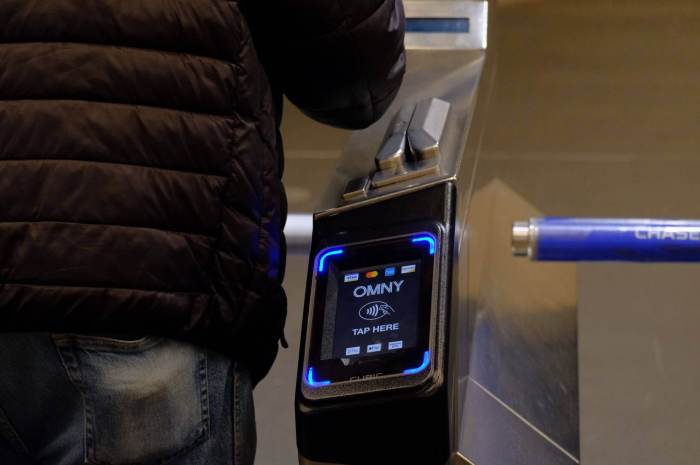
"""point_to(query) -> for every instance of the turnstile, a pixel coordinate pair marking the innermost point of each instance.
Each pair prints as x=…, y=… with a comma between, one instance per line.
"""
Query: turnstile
x=394, y=361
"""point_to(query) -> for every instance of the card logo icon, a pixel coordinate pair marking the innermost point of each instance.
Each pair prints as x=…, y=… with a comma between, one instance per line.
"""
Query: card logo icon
x=374, y=348
x=391, y=271
x=408, y=269
x=351, y=277
x=352, y=350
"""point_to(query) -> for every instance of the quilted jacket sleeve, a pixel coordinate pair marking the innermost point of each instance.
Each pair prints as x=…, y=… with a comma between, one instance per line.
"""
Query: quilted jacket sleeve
x=340, y=61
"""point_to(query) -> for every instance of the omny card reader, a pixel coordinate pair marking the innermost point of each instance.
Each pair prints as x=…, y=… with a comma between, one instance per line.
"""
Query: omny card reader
x=383, y=361
x=371, y=372
x=376, y=381
x=371, y=310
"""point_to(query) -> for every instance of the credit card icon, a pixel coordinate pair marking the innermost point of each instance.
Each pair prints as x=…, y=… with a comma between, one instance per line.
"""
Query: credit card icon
x=352, y=350
x=393, y=345
x=350, y=277
x=374, y=348
x=408, y=269
x=372, y=274
x=390, y=271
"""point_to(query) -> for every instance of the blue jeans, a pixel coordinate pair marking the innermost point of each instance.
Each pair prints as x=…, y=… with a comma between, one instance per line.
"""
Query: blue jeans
x=68, y=400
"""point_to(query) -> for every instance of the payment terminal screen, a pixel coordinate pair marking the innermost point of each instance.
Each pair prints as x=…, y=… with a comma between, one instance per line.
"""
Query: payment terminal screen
x=377, y=309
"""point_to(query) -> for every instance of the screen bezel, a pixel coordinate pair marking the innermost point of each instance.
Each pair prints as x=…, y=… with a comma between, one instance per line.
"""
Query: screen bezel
x=406, y=367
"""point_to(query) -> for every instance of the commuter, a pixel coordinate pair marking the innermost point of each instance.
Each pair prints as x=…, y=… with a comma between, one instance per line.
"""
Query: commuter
x=141, y=211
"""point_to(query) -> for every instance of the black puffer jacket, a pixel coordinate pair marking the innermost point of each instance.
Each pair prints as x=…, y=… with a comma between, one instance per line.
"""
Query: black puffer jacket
x=140, y=161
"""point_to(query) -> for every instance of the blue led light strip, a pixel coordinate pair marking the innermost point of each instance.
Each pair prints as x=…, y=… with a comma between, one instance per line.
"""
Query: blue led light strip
x=313, y=383
x=421, y=367
x=322, y=260
x=425, y=238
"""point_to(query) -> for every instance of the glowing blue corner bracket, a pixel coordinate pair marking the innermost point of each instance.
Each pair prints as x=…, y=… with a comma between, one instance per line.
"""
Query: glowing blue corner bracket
x=423, y=366
x=425, y=238
x=313, y=383
x=322, y=260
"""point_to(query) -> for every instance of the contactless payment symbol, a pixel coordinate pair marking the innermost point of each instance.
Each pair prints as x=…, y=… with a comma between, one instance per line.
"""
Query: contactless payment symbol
x=375, y=310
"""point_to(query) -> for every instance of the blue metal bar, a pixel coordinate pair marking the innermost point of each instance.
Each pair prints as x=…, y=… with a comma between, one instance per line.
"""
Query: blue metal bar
x=598, y=239
x=438, y=25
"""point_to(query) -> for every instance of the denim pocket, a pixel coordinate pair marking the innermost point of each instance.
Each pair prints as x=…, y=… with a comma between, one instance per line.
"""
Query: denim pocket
x=145, y=400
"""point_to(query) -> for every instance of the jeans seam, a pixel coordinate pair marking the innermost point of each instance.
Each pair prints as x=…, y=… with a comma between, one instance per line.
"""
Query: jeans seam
x=204, y=380
x=106, y=344
x=236, y=417
x=70, y=363
x=8, y=431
